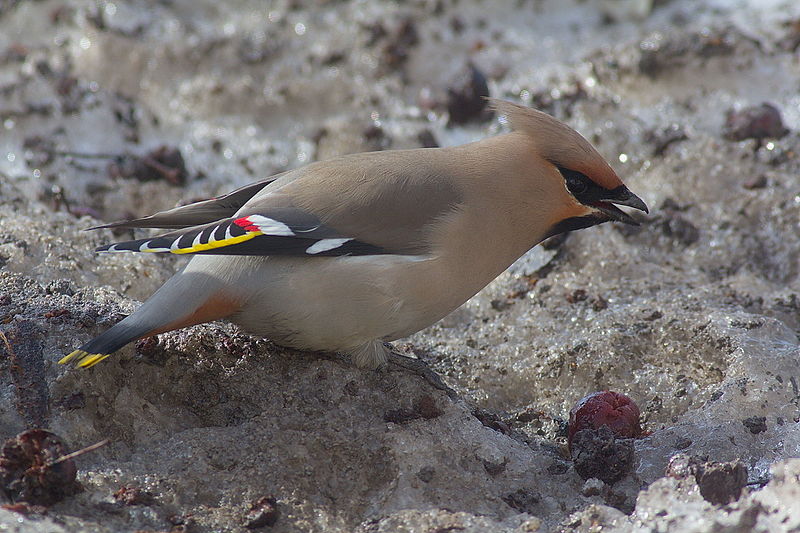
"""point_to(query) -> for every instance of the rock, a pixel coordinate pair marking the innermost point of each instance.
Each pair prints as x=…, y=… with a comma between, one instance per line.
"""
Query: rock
x=779, y=500
x=466, y=96
x=559, y=102
x=71, y=402
x=598, y=453
x=209, y=420
x=424, y=407
x=592, y=487
x=21, y=344
x=578, y=295
x=756, y=424
x=33, y=469
x=523, y=500
x=755, y=122
x=721, y=483
x=679, y=228
x=398, y=42
x=258, y=47
x=164, y=163
x=376, y=139
x=758, y=182
x=426, y=139
x=262, y=513
x=426, y=474
x=130, y=495
x=660, y=53
x=663, y=138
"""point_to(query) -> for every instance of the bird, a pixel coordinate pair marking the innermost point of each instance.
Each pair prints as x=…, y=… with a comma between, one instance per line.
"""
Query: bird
x=348, y=254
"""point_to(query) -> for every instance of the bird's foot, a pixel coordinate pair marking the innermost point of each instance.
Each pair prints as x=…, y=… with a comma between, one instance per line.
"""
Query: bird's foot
x=420, y=368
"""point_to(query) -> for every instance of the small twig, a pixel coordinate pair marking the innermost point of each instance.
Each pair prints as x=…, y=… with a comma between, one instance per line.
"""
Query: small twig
x=8, y=345
x=78, y=453
x=170, y=174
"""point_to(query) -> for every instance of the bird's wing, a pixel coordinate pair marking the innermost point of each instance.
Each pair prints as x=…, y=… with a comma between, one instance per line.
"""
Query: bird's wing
x=275, y=231
x=197, y=213
x=350, y=206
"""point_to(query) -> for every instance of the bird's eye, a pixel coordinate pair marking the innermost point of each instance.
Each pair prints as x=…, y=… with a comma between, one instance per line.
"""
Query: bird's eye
x=577, y=184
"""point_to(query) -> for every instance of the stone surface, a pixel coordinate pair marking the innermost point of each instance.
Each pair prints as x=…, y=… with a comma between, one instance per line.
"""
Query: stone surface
x=694, y=315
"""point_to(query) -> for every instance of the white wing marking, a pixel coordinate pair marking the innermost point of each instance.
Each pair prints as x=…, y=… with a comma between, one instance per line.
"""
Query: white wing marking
x=323, y=245
x=268, y=226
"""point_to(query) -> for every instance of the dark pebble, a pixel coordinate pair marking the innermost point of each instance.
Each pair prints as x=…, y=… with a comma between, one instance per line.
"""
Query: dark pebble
x=466, y=96
x=134, y=496
x=491, y=420
x=263, y=512
x=558, y=468
x=554, y=242
x=756, y=122
x=680, y=229
x=71, y=402
x=146, y=347
x=426, y=139
x=653, y=315
x=599, y=304
x=424, y=407
x=599, y=453
x=494, y=469
x=27, y=472
x=719, y=483
x=253, y=50
x=756, y=424
x=426, y=473
x=523, y=500
x=163, y=163
x=376, y=138
x=399, y=43
x=759, y=182
x=660, y=55
x=663, y=138
x=578, y=295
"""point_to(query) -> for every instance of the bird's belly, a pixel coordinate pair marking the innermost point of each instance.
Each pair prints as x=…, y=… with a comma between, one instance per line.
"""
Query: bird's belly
x=342, y=303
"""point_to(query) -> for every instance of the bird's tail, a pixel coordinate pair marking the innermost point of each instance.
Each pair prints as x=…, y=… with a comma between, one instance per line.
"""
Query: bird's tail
x=107, y=343
x=186, y=299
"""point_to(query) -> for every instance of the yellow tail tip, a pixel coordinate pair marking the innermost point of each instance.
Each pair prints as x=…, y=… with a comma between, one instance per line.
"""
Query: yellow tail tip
x=76, y=354
x=83, y=359
x=92, y=359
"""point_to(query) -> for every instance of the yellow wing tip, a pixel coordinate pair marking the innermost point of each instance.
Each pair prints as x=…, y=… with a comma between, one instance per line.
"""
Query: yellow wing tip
x=83, y=359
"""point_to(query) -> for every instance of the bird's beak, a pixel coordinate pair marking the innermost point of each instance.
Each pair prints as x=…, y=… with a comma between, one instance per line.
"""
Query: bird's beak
x=620, y=196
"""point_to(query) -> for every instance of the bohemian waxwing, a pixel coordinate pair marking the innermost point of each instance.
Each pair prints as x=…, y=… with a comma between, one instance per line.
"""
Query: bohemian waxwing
x=346, y=254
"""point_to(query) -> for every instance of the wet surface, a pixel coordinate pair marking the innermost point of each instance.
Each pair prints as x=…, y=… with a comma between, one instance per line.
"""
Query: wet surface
x=113, y=110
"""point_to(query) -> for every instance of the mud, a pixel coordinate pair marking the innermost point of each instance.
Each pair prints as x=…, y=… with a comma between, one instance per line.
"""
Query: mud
x=695, y=315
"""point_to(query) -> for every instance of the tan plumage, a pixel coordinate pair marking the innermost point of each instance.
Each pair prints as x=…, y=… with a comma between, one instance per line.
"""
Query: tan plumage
x=345, y=254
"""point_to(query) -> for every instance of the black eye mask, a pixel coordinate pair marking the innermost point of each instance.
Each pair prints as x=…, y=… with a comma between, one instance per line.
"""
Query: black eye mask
x=585, y=190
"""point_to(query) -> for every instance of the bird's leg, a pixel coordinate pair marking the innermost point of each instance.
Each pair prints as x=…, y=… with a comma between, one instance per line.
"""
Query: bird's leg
x=418, y=367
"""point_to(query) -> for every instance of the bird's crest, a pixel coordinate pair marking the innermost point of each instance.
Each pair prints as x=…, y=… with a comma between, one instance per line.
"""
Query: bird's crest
x=557, y=142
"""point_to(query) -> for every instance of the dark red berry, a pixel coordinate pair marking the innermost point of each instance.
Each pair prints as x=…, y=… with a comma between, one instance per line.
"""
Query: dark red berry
x=606, y=408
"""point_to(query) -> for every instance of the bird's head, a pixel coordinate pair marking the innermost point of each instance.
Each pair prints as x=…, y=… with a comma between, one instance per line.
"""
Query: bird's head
x=588, y=190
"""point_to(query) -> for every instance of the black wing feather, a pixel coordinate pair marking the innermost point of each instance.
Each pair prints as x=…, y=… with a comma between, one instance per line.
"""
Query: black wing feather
x=242, y=236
